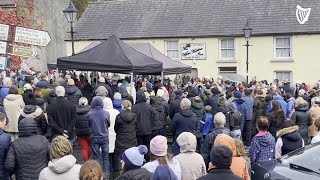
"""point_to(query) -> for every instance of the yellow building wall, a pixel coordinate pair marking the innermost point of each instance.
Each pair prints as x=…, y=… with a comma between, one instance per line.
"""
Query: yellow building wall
x=305, y=56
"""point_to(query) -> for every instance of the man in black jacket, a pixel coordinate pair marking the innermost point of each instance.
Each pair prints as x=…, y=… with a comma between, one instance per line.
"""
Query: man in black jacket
x=175, y=104
x=144, y=118
x=62, y=116
x=219, y=168
x=28, y=154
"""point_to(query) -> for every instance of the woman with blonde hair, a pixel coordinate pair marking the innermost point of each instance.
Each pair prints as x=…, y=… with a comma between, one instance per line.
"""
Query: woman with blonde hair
x=125, y=128
x=62, y=164
x=91, y=170
x=301, y=117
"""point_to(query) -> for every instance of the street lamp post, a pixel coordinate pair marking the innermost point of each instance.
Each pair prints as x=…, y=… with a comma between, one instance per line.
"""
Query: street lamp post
x=247, y=30
x=71, y=16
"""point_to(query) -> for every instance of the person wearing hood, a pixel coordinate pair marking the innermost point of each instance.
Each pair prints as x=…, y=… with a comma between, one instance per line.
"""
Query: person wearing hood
x=82, y=128
x=62, y=164
x=125, y=128
x=87, y=90
x=282, y=103
x=262, y=146
x=276, y=118
x=62, y=116
x=174, y=106
x=13, y=105
x=301, y=117
x=242, y=108
x=235, y=121
x=108, y=107
x=219, y=166
x=183, y=121
x=165, y=95
x=222, y=107
x=219, y=124
x=190, y=170
x=197, y=108
x=289, y=139
x=99, y=122
x=213, y=100
x=165, y=106
x=26, y=158
x=36, y=113
x=73, y=93
x=132, y=161
x=102, y=82
x=158, y=116
x=144, y=113
x=124, y=93
x=5, y=143
x=238, y=165
x=102, y=92
x=290, y=105
x=160, y=157
x=117, y=102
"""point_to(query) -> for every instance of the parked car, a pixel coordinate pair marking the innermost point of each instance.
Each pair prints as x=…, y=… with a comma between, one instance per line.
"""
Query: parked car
x=302, y=164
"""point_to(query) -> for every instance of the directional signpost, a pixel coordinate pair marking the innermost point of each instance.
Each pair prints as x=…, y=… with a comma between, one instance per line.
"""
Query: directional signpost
x=4, y=31
x=32, y=36
x=23, y=51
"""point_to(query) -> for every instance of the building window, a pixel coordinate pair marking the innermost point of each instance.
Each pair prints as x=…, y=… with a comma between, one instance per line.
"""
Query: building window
x=227, y=49
x=283, y=47
x=225, y=71
x=172, y=49
x=283, y=75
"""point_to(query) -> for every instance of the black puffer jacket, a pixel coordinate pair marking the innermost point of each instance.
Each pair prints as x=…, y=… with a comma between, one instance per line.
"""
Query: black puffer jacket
x=144, y=114
x=174, y=106
x=82, y=125
x=197, y=108
x=28, y=155
x=36, y=113
x=235, y=117
x=125, y=128
x=136, y=174
x=165, y=105
x=73, y=94
x=301, y=117
x=276, y=120
x=226, y=111
x=29, y=98
x=158, y=114
x=51, y=97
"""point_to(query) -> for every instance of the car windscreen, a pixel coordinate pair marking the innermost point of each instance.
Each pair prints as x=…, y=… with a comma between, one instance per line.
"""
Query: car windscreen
x=307, y=157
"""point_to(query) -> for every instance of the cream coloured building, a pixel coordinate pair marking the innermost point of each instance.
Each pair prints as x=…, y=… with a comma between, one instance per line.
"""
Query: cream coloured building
x=281, y=47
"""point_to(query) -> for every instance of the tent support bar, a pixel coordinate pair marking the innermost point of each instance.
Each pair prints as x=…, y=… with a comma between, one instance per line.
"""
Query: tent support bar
x=161, y=76
x=131, y=83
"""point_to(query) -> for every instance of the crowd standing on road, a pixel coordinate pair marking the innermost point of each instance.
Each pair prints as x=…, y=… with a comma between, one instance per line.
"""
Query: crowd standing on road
x=219, y=128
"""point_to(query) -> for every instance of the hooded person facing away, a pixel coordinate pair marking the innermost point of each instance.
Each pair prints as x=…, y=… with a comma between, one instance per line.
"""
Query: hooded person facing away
x=28, y=154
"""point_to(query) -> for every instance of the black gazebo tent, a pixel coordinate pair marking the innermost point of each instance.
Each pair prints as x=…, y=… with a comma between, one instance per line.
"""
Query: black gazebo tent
x=112, y=55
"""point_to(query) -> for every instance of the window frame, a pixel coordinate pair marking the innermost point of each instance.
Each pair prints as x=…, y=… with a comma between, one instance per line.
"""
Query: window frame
x=166, y=48
x=220, y=50
x=275, y=48
x=283, y=71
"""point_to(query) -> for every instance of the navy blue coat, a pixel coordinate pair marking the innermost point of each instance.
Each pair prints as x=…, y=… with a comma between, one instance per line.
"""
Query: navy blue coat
x=184, y=121
x=5, y=143
x=213, y=102
x=242, y=108
x=43, y=84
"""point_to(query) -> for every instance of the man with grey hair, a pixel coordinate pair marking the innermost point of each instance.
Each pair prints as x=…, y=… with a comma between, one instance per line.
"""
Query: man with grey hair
x=219, y=123
x=7, y=83
x=62, y=116
x=73, y=93
x=183, y=121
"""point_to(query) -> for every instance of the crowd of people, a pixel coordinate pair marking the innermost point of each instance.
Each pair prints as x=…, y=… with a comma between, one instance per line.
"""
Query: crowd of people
x=219, y=128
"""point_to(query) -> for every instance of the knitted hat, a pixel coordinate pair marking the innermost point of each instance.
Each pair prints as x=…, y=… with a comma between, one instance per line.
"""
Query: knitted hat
x=159, y=146
x=178, y=92
x=238, y=94
x=164, y=173
x=149, y=85
x=134, y=157
x=215, y=91
x=222, y=101
x=221, y=156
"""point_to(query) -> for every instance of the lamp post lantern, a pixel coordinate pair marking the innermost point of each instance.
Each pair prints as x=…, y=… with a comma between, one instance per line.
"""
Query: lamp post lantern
x=71, y=16
x=247, y=30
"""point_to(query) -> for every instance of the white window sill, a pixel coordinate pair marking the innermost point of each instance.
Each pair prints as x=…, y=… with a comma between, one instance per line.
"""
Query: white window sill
x=282, y=60
x=227, y=61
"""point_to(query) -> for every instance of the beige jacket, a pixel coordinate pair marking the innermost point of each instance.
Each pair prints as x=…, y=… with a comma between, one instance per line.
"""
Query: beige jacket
x=13, y=105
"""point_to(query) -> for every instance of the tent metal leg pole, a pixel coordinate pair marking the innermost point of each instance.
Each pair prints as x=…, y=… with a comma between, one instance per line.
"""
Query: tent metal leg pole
x=161, y=76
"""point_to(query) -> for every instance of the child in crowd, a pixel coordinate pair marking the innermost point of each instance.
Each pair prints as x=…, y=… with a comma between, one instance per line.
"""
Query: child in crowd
x=207, y=125
x=242, y=153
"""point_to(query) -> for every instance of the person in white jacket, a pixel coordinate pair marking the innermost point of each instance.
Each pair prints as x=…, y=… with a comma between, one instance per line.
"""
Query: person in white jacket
x=62, y=164
x=114, y=161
